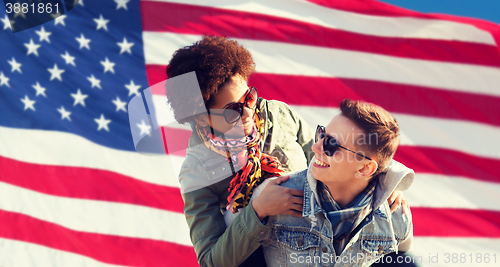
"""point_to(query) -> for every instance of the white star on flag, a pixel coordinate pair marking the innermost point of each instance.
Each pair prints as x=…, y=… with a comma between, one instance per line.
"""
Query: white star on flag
x=39, y=89
x=20, y=13
x=108, y=65
x=83, y=42
x=60, y=20
x=55, y=73
x=132, y=88
x=102, y=123
x=44, y=36
x=121, y=3
x=4, y=80
x=6, y=23
x=119, y=104
x=101, y=23
x=69, y=59
x=32, y=48
x=95, y=82
x=79, y=98
x=80, y=2
x=145, y=128
x=64, y=113
x=28, y=103
x=16, y=66
x=125, y=46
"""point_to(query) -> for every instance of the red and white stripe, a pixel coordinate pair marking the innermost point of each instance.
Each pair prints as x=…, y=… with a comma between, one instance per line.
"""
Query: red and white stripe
x=439, y=75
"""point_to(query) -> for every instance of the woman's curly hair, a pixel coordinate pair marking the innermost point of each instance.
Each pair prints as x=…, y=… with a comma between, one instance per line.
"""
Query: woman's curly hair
x=214, y=59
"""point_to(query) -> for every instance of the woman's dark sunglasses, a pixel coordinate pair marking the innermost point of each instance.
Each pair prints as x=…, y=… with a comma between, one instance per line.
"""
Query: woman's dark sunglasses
x=330, y=144
x=233, y=112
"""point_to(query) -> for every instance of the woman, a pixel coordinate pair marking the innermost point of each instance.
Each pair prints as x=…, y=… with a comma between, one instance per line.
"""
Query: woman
x=236, y=144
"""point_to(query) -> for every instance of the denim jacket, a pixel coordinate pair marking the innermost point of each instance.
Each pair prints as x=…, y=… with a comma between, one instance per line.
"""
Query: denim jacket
x=205, y=177
x=308, y=241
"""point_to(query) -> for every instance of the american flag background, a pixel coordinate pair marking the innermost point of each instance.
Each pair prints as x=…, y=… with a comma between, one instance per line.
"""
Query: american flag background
x=74, y=192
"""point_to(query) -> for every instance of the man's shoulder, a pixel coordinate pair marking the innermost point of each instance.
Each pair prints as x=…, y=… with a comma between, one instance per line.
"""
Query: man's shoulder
x=296, y=180
x=398, y=223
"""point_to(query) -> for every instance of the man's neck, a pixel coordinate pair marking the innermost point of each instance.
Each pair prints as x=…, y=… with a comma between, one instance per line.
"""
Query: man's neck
x=344, y=193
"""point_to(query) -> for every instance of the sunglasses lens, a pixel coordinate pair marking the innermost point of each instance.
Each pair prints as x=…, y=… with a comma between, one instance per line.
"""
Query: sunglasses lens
x=233, y=113
x=251, y=98
x=320, y=133
x=330, y=145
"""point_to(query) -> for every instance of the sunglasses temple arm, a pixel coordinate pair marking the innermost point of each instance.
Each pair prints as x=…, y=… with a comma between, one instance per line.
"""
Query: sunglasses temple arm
x=356, y=153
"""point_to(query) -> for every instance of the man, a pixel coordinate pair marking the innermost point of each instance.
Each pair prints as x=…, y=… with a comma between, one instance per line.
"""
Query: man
x=346, y=220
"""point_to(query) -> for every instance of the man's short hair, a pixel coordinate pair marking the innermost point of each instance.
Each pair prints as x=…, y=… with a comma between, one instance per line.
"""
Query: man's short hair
x=381, y=130
x=214, y=59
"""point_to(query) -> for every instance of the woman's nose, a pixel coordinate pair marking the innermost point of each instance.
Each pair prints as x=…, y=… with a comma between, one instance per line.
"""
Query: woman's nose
x=247, y=112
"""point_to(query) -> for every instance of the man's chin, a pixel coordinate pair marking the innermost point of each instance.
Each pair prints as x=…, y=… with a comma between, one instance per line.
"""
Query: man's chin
x=317, y=172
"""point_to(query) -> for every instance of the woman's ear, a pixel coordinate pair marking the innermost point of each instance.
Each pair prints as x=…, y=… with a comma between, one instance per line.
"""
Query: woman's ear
x=202, y=120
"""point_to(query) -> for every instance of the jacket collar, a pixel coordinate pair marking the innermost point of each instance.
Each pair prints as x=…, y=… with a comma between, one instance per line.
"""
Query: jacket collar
x=311, y=204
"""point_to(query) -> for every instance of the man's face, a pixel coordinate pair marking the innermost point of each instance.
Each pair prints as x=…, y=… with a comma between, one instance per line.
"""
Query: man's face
x=342, y=165
x=232, y=92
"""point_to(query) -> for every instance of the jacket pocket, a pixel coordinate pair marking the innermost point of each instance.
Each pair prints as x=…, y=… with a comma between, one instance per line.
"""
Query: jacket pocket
x=296, y=239
x=297, y=247
x=377, y=247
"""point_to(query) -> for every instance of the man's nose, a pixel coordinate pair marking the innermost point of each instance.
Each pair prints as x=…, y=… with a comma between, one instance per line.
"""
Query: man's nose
x=317, y=147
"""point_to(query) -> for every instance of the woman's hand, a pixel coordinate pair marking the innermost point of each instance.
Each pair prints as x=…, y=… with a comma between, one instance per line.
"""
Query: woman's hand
x=397, y=199
x=275, y=200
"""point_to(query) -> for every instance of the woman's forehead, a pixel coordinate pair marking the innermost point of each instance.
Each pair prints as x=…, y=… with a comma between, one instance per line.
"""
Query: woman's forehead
x=231, y=91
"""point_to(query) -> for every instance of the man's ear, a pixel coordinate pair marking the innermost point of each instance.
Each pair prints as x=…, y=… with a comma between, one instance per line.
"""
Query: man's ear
x=367, y=170
x=202, y=120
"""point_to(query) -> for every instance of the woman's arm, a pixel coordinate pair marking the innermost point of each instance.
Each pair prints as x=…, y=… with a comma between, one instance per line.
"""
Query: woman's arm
x=213, y=243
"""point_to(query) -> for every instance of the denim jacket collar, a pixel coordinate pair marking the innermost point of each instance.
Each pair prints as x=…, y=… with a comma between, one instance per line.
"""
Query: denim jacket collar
x=311, y=204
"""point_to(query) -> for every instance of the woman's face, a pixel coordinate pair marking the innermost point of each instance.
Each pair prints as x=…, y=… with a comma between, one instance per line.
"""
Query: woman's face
x=232, y=92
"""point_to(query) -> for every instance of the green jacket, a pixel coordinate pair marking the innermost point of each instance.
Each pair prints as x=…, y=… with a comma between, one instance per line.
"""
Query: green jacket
x=205, y=177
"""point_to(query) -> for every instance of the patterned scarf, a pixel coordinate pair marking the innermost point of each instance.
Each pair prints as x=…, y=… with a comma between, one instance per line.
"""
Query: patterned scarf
x=244, y=153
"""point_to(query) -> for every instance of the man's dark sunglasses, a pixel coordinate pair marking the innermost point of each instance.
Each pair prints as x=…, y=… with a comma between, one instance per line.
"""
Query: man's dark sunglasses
x=233, y=112
x=330, y=144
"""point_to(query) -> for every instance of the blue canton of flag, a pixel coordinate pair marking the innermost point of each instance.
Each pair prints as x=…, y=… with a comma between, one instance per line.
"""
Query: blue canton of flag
x=76, y=73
